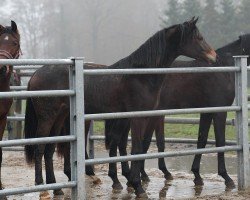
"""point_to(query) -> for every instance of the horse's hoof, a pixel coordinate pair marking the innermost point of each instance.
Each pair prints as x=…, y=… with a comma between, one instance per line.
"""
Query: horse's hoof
x=117, y=186
x=230, y=184
x=142, y=196
x=163, y=194
x=168, y=177
x=58, y=192
x=130, y=188
x=198, y=181
x=95, y=180
x=145, y=179
x=44, y=195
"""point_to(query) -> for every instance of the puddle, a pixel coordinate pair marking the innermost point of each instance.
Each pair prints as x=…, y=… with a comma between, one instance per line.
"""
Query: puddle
x=16, y=173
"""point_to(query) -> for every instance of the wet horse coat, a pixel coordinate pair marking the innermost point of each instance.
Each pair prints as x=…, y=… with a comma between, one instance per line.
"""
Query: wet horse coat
x=9, y=49
x=111, y=93
x=191, y=91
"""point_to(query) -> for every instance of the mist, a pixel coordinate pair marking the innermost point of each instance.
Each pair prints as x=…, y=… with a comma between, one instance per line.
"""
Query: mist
x=104, y=31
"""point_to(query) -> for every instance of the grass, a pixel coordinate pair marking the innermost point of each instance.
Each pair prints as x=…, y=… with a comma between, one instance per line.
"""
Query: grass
x=176, y=130
x=182, y=130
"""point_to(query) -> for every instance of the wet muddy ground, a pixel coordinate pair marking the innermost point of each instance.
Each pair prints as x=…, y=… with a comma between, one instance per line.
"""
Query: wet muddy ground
x=16, y=173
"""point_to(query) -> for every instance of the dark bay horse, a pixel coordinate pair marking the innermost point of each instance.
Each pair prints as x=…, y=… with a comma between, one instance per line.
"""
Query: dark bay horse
x=190, y=91
x=9, y=49
x=110, y=93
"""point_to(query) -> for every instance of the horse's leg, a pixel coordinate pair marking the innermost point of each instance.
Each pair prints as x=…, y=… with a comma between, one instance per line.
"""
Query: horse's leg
x=138, y=126
x=205, y=123
x=114, y=129
x=113, y=169
x=2, y=127
x=123, y=148
x=66, y=150
x=219, y=129
x=50, y=148
x=43, y=130
x=146, y=143
x=89, y=170
x=160, y=141
x=48, y=158
x=67, y=167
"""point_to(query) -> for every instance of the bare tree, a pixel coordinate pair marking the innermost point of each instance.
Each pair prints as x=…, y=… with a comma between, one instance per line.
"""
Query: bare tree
x=97, y=13
x=29, y=20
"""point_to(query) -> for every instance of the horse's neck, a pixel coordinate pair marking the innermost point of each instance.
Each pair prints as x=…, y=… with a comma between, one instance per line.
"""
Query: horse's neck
x=156, y=52
x=147, y=59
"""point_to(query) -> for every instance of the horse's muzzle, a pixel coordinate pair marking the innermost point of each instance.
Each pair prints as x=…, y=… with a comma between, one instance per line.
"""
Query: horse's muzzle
x=211, y=56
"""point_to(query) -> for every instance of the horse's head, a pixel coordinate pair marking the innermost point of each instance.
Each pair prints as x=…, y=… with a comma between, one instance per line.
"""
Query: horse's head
x=9, y=46
x=191, y=43
x=245, y=44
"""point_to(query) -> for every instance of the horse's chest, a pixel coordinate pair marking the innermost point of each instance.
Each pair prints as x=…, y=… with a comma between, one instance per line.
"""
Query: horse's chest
x=5, y=105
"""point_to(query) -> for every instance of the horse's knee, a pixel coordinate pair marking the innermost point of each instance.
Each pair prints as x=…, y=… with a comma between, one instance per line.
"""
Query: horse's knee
x=49, y=152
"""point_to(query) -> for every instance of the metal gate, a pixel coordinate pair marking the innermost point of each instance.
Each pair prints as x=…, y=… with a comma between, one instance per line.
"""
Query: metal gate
x=77, y=117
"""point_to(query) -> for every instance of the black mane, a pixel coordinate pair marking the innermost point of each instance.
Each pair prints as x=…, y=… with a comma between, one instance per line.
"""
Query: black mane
x=156, y=50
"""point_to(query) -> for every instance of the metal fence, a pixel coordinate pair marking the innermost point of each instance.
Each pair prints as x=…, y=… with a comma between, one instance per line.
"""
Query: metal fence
x=78, y=116
x=76, y=138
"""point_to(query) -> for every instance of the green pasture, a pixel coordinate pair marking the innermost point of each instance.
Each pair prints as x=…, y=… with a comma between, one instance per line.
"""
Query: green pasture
x=182, y=130
x=175, y=130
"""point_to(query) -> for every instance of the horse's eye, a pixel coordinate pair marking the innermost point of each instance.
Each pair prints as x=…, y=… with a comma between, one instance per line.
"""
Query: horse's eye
x=200, y=38
x=15, y=43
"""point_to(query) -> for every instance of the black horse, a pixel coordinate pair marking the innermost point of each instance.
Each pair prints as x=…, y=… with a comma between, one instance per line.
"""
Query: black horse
x=188, y=91
x=9, y=49
x=112, y=93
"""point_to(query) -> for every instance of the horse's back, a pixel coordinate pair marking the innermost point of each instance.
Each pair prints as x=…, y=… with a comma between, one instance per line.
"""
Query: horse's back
x=50, y=77
x=197, y=89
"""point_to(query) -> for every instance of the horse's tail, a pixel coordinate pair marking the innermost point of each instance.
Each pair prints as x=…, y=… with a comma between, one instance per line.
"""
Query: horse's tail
x=30, y=128
x=62, y=148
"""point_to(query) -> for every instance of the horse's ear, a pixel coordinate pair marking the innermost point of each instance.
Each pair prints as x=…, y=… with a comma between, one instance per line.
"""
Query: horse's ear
x=196, y=20
x=13, y=26
x=193, y=21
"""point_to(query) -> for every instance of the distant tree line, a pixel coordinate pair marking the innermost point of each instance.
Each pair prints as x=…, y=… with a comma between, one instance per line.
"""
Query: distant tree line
x=220, y=21
x=104, y=31
x=45, y=31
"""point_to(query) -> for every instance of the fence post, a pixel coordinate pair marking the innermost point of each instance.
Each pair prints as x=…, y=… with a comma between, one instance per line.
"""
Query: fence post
x=242, y=121
x=77, y=127
x=91, y=142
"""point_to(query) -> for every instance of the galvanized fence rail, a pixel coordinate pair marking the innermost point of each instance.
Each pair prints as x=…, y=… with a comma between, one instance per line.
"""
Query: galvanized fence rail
x=76, y=137
x=241, y=108
x=77, y=112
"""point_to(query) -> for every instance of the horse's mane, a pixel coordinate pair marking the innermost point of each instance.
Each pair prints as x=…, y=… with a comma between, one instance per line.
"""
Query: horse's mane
x=157, y=48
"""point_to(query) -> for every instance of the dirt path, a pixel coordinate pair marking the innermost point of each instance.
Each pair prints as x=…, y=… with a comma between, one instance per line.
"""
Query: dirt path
x=16, y=173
